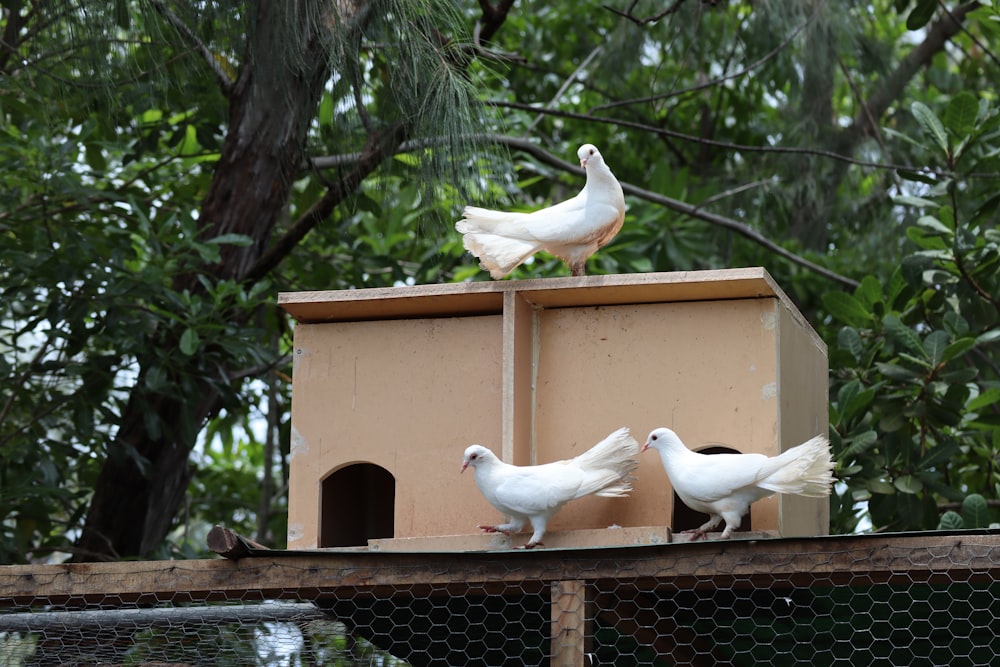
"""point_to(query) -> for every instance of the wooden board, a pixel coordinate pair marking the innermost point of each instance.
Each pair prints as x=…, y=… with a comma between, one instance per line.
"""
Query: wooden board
x=932, y=556
x=487, y=297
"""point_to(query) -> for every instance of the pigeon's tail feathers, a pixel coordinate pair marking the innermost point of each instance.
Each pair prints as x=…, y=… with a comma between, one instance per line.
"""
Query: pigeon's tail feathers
x=476, y=219
x=608, y=465
x=497, y=238
x=498, y=254
x=804, y=470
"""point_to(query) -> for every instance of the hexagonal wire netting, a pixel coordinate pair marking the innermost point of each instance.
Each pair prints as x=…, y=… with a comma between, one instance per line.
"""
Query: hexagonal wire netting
x=742, y=603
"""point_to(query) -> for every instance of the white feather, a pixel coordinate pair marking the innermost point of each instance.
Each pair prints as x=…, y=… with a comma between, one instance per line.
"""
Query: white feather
x=725, y=485
x=535, y=493
x=572, y=230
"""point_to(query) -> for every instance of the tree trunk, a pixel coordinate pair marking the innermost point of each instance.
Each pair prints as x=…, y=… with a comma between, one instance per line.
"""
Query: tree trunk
x=145, y=477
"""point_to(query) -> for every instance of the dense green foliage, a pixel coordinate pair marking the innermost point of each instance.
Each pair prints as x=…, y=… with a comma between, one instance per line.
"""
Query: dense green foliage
x=850, y=148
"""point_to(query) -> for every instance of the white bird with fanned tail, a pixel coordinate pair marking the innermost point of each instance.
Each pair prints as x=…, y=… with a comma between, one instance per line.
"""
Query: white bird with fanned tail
x=725, y=485
x=572, y=230
x=535, y=493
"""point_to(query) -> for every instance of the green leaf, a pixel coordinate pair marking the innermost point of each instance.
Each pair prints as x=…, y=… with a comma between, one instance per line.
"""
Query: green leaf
x=958, y=348
x=908, y=484
x=189, y=342
x=975, y=511
x=241, y=240
x=910, y=200
x=934, y=225
x=849, y=339
x=880, y=487
x=986, y=398
x=903, y=334
x=921, y=14
x=910, y=175
x=926, y=240
x=859, y=403
x=846, y=308
x=935, y=344
x=961, y=375
x=986, y=208
x=990, y=336
x=932, y=126
x=951, y=521
x=960, y=115
x=858, y=445
x=156, y=379
x=897, y=372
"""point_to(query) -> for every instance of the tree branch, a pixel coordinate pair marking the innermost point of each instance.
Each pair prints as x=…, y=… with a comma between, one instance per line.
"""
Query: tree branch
x=379, y=147
x=224, y=81
x=890, y=90
x=493, y=18
x=691, y=210
x=743, y=148
x=649, y=19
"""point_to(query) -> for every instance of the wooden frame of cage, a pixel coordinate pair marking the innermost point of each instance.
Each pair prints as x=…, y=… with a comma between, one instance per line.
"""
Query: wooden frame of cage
x=577, y=581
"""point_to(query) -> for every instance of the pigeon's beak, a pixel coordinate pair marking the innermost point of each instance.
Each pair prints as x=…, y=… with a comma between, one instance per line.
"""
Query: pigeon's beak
x=465, y=464
x=644, y=447
x=583, y=163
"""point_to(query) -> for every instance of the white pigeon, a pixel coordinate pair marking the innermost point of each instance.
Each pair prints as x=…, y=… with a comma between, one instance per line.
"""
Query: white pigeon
x=724, y=485
x=572, y=230
x=535, y=493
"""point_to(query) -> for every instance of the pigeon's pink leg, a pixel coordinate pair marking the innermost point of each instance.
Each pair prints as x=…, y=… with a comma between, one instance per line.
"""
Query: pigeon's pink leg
x=493, y=529
x=696, y=534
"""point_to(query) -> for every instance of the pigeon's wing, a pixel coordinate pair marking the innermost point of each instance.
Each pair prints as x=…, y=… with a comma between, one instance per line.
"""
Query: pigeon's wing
x=710, y=478
x=537, y=489
x=559, y=222
x=574, y=221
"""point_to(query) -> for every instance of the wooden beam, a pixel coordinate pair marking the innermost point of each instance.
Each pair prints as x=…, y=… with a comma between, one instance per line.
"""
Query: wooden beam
x=230, y=544
x=836, y=560
x=571, y=614
x=487, y=297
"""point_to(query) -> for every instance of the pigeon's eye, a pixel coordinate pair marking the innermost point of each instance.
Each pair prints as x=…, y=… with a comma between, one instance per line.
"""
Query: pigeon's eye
x=473, y=457
x=654, y=437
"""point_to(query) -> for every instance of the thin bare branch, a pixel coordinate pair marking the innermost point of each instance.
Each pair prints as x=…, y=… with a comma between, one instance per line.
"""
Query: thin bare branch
x=379, y=147
x=975, y=40
x=225, y=83
x=889, y=90
x=565, y=85
x=743, y=148
x=770, y=55
x=649, y=19
x=691, y=210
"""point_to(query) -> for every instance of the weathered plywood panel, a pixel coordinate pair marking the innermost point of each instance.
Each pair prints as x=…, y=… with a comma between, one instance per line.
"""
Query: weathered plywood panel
x=406, y=395
x=804, y=412
x=705, y=369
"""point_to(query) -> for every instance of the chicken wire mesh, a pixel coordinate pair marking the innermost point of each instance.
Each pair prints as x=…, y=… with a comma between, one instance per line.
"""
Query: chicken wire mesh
x=897, y=601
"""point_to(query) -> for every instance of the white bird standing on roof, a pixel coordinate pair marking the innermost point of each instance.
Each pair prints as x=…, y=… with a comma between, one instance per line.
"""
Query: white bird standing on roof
x=572, y=230
x=724, y=485
x=535, y=493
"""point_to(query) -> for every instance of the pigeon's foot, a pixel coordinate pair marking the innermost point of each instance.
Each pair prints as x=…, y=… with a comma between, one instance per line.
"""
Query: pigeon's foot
x=532, y=545
x=493, y=529
x=696, y=534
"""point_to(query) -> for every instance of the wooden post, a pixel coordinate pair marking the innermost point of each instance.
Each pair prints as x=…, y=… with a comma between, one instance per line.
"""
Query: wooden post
x=571, y=635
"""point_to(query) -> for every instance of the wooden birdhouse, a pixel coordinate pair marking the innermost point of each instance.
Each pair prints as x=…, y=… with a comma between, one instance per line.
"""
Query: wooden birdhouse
x=391, y=385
